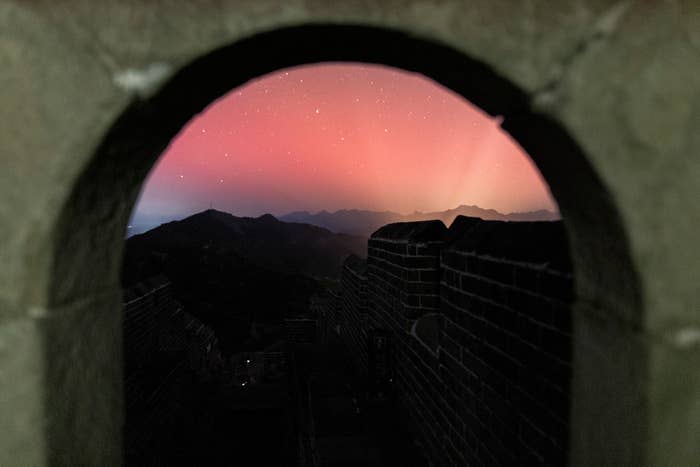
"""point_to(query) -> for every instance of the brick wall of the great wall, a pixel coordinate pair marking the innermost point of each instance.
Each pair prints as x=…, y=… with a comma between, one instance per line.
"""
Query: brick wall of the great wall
x=480, y=327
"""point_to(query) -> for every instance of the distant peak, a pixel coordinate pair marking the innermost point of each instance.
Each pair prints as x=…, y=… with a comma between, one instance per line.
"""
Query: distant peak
x=205, y=213
x=212, y=214
x=212, y=211
x=267, y=217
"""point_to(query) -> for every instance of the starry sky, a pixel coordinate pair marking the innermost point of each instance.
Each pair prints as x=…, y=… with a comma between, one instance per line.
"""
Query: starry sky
x=339, y=136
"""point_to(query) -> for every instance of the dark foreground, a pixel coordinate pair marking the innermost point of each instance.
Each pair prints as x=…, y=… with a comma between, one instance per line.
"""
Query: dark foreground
x=317, y=414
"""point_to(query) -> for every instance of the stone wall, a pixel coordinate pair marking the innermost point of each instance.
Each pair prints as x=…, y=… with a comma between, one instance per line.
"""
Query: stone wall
x=301, y=330
x=332, y=321
x=353, y=308
x=505, y=347
x=479, y=320
x=403, y=264
x=167, y=352
x=142, y=306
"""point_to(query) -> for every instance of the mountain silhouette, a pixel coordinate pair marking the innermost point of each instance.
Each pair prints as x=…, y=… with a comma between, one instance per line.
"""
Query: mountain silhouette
x=223, y=267
x=264, y=241
x=364, y=223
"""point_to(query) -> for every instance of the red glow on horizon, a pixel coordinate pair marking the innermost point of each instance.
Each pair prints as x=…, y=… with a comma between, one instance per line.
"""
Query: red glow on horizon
x=335, y=136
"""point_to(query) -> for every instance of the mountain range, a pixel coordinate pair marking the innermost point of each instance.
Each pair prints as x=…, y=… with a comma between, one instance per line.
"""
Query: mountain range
x=265, y=241
x=232, y=272
x=364, y=223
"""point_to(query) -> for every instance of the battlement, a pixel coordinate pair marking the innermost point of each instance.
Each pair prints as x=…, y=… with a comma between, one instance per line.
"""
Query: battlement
x=479, y=322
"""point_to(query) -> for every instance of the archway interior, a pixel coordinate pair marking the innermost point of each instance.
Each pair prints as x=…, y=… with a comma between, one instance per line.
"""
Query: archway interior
x=211, y=320
x=103, y=197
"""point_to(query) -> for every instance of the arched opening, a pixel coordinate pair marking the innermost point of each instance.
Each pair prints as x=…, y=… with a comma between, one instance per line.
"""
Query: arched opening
x=367, y=146
x=105, y=193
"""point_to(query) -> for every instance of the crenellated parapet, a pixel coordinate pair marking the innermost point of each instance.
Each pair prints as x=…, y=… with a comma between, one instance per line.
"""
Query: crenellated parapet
x=479, y=326
x=403, y=267
x=505, y=347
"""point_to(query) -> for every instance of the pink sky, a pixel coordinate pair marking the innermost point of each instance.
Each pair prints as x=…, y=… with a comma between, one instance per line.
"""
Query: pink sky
x=334, y=136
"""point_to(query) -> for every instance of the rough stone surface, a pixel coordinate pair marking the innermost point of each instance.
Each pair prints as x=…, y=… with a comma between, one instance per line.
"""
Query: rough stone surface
x=604, y=95
x=84, y=414
x=21, y=393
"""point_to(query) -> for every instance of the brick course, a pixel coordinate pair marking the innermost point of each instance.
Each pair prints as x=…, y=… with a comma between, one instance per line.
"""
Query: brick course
x=494, y=388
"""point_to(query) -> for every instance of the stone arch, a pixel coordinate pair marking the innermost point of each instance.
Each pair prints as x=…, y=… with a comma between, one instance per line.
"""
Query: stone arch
x=90, y=229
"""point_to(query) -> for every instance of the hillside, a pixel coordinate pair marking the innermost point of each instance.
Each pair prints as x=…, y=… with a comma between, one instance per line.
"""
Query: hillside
x=265, y=241
x=223, y=267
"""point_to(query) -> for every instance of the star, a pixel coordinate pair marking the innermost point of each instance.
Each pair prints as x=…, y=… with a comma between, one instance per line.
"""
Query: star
x=282, y=119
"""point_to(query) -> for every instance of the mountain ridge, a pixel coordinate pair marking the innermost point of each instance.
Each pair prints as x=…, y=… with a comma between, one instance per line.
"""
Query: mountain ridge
x=223, y=268
x=365, y=222
x=290, y=247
